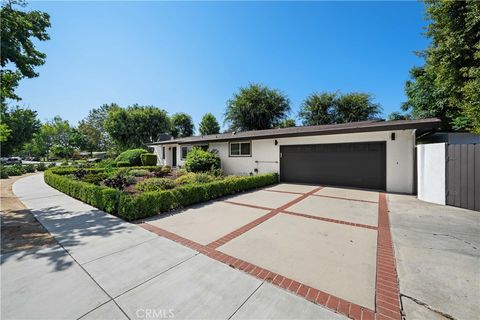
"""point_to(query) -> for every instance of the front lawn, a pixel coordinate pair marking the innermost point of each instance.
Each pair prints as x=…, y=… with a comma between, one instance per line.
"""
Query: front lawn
x=134, y=193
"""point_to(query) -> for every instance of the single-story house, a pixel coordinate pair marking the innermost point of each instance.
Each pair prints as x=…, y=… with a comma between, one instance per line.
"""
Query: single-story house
x=368, y=154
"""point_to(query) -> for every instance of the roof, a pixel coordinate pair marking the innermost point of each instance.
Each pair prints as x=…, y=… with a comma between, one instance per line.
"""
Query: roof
x=352, y=127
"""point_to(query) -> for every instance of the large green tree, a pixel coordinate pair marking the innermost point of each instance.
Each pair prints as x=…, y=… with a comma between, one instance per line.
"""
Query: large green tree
x=55, y=138
x=256, y=107
x=21, y=125
x=317, y=109
x=19, y=57
x=209, y=125
x=447, y=85
x=136, y=125
x=92, y=128
x=329, y=108
x=182, y=125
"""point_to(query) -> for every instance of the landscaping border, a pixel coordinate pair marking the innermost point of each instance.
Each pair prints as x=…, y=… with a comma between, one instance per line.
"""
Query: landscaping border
x=133, y=207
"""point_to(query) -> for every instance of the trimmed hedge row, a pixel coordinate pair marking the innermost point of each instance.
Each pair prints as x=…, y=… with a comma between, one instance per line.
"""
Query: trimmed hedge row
x=103, y=198
x=134, y=207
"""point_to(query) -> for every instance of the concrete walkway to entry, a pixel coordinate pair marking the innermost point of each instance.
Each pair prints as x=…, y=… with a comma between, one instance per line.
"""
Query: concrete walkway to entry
x=104, y=268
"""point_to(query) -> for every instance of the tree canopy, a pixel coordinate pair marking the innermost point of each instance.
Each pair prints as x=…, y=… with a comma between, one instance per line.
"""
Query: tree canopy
x=55, y=138
x=447, y=85
x=19, y=126
x=287, y=123
x=256, y=107
x=19, y=29
x=182, y=125
x=209, y=125
x=92, y=128
x=136, y=125
x=330, y=108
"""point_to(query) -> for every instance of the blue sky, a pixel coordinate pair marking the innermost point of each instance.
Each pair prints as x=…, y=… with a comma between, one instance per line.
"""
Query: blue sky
x=192, y=57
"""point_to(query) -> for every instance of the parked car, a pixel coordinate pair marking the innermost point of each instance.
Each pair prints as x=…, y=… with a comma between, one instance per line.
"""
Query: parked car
x=14, y=160
x=3, y=160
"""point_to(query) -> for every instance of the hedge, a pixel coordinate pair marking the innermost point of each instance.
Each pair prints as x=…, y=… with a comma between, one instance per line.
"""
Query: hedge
x=149, y=159
x=143, y=205
x=132, y=156
x=103, y=198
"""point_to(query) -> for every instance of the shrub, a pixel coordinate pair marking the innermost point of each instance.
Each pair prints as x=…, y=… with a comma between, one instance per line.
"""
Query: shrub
x=80, y=173
x=155, y=184
x=132, y=156
x=151, y=203
x=101, y=197
x=138, y=172
x=199, y=160
x=191, y=178
x=15, y=170
x=185, y=178
x=3, y=173
x=41, y=167
x=95, y=178
x=133, y=207
x=149, y=159
x=118, y=182
x=29, y=168
x=106, y=163
x=123, y=164
x=52, y=165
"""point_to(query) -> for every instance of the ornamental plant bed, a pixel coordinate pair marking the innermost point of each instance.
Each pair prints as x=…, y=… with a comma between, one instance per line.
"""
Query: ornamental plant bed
x=133, y=205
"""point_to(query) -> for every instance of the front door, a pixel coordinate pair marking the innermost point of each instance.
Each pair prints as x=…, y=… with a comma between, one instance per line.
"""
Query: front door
x=174, y=156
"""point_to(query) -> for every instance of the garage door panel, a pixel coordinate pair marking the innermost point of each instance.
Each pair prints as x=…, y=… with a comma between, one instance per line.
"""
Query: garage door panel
x=344, y=164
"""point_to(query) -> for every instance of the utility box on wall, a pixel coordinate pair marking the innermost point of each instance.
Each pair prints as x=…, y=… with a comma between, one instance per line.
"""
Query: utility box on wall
x=431, y=168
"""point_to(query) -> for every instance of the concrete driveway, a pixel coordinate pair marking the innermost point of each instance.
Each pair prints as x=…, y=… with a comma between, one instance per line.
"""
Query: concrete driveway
x=101, y=267
x=331, y=246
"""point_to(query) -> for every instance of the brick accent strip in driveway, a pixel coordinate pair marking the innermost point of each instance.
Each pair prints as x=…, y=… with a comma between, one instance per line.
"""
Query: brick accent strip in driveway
x=387, y=298
x=232, y=235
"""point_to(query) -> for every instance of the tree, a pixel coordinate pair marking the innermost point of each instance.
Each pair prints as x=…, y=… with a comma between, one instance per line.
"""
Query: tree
x=22, y=124
x=330, y=108
x=182, y=125
x=318, y=108
x=399, y=116
x=55, y=138
x=256, y=107
x=5, y=132
x=209, y=125
x=356, y=106
x=447, y=85
x=136, y=125
x=92, y=128
x=287, y=123
x=18, y=30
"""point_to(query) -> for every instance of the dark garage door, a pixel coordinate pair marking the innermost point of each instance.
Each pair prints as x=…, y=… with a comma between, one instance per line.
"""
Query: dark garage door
x=360, y=165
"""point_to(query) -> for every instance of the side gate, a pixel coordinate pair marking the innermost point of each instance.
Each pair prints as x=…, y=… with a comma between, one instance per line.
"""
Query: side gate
x=463, y=176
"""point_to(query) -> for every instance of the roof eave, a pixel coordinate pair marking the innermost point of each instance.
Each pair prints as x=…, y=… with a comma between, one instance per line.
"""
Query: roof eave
x=377, y=126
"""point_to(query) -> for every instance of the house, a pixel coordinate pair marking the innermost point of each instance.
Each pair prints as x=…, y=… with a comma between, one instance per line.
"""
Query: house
x=369, y=154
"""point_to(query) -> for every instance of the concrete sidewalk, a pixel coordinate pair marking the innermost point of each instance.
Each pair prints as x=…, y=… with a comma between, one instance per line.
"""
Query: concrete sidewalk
x=105, y=268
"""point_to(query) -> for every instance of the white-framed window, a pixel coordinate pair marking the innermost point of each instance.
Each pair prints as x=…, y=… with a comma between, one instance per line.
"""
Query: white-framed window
x=184, y=151
x=240, y=149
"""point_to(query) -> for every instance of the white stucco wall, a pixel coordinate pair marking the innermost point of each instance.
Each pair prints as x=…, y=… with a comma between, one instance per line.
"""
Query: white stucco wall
x=431, y=172
x=266, y=155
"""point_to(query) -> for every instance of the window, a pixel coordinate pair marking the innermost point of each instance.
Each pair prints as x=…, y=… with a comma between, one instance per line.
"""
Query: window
x=163, y=152
x=185, y=151
x=240, y=149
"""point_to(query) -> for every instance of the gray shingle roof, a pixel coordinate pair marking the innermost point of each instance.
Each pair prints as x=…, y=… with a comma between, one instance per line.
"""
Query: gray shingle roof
x=352, y=127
